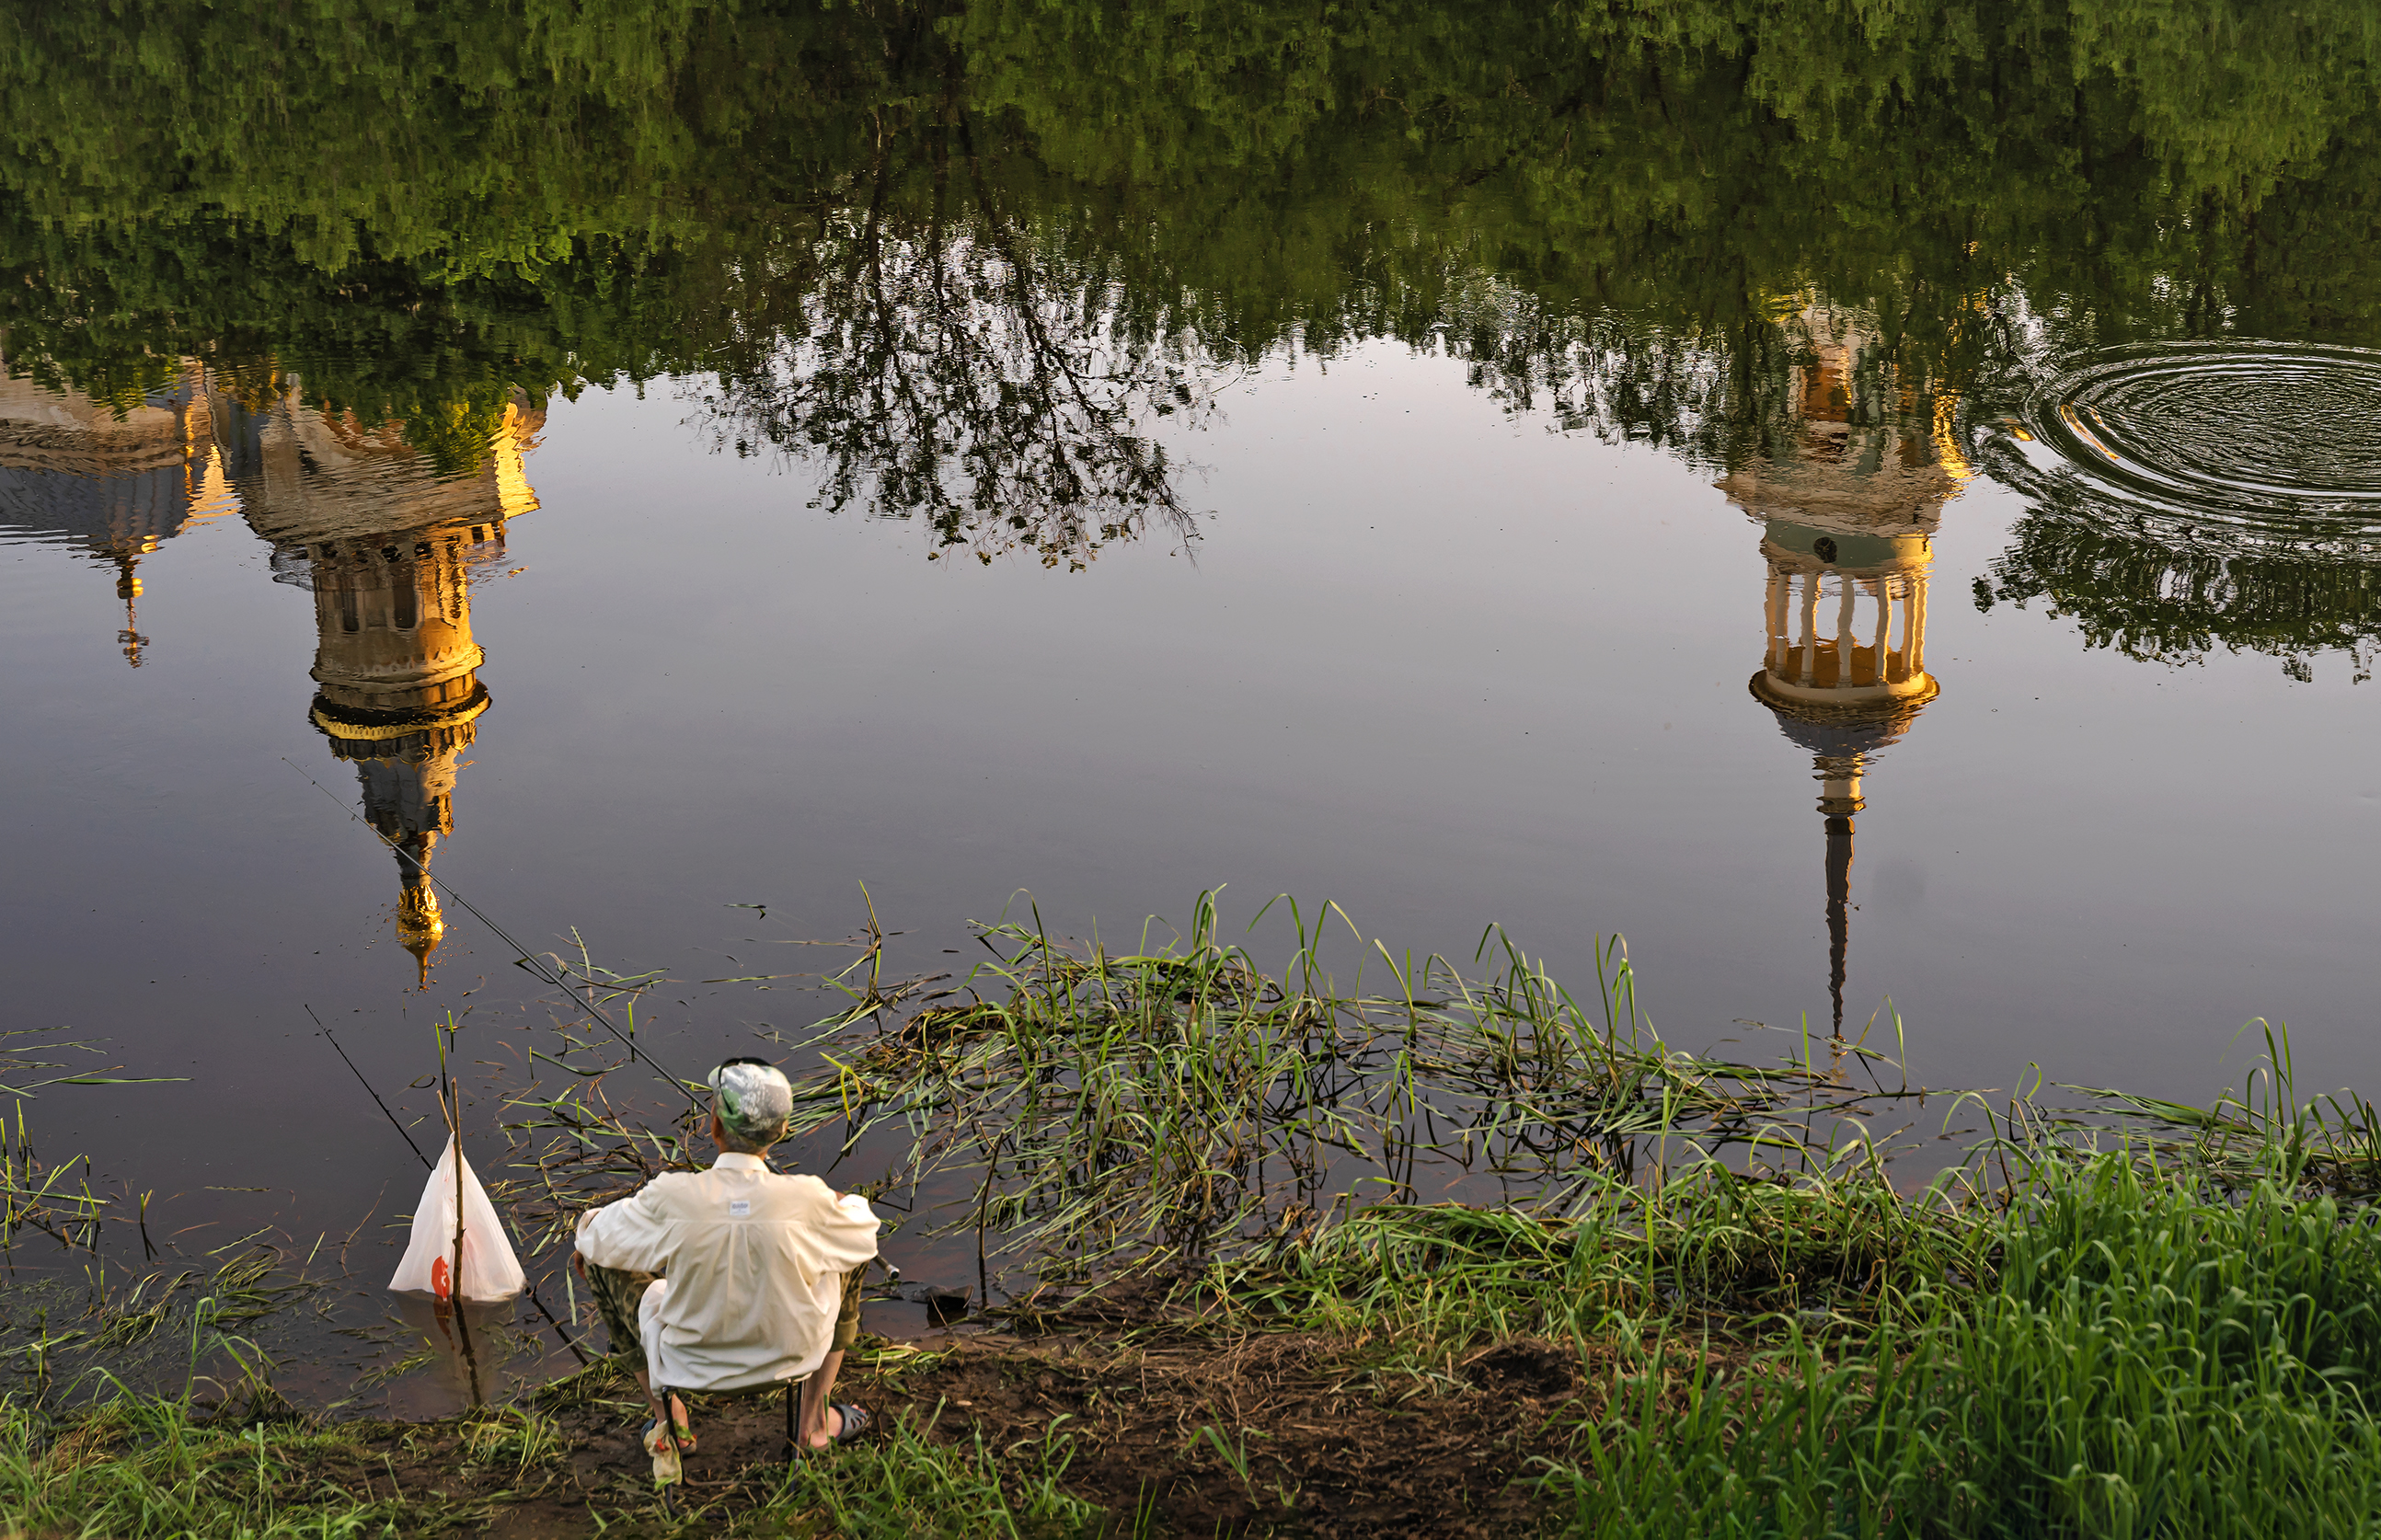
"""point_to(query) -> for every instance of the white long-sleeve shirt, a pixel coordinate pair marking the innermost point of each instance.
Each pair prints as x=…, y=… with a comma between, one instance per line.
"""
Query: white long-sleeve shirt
x=755, y=1262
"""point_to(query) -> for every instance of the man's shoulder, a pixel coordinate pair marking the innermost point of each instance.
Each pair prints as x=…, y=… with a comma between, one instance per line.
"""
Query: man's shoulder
x=698, y=1186
x=802, y=1197
x=801, y=1184
x=660, y=1189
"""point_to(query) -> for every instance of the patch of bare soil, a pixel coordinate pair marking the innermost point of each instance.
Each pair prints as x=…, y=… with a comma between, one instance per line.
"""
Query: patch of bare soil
x=1284, y=1433
x=1266, y=1434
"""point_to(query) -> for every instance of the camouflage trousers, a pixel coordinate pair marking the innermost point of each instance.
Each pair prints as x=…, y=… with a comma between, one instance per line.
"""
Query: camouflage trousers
x=617, y=1294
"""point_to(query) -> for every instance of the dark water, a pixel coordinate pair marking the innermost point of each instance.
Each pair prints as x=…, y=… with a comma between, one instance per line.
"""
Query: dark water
x=1865, y=506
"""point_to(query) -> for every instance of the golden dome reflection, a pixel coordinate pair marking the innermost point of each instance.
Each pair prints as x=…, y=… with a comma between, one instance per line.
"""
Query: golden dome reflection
x=389, y=551
x=385, y=536
x=1849, y=508
x=420, y=926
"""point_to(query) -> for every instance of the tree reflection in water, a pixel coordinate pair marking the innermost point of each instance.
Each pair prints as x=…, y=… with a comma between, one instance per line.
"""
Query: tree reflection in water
x=965, y=259
x=2167, y=598
x=965, y=370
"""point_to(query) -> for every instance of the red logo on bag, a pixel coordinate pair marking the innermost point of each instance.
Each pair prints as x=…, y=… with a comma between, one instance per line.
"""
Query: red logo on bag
x=438, y=1284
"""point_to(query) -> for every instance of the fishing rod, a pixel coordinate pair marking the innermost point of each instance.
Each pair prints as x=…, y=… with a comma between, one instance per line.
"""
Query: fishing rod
x=385, y=1112
x=410, y=1145
x=526, y=959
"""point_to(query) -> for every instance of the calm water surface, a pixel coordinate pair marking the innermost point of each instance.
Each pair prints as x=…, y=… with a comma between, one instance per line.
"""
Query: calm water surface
x=1864, y=516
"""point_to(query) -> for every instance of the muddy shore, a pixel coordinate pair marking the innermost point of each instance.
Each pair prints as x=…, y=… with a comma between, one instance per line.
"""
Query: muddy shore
x=1170, y=1435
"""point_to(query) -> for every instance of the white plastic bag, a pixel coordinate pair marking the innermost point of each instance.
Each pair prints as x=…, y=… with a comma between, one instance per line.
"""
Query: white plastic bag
x=490, y=1271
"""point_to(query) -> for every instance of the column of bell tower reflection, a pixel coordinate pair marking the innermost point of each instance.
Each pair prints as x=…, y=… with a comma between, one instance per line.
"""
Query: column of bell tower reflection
x=387, y=542
x=389, y=549
x=1849, y=502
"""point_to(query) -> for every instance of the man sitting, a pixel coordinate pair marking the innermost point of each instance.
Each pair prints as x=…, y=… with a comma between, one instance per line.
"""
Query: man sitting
x=735, y=1277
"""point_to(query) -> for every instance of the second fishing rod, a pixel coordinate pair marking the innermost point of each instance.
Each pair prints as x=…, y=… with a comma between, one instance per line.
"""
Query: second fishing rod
x=523, y=958
x=531, y=1288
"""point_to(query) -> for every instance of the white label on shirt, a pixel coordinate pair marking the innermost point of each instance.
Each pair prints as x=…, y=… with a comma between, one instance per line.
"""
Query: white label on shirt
x=740, y=1208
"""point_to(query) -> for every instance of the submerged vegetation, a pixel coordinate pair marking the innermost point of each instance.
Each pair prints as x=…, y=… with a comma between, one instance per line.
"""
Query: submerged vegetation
x=1110, y=1114
x=1077, y=1115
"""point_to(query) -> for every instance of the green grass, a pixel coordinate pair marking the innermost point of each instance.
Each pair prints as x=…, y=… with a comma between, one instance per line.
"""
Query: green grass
x=2155, y=1358
x=141, y=1468
x=138, y=1467
x=1707, y=1242
x=909, y=1487
x=515, y=1437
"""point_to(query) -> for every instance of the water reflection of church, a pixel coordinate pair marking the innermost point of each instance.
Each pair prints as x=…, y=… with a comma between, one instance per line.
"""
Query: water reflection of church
x=388, y=550
x=1849, y=502
x=352, y=512
x=119, y=481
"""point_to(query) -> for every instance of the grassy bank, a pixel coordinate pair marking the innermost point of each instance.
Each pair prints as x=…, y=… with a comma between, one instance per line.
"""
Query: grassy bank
x=2123, y=1350
x=1681, y=1297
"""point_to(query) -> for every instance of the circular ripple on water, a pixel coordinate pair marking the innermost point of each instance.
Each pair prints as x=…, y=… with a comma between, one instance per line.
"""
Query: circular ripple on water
x=2271, y=434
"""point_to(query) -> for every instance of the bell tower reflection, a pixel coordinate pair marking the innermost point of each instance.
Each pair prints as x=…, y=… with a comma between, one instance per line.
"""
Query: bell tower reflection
x=1848, y=509
x=386, y=535
x=117, y=477
x=389, y=551
x=1844, y=696
x=399, y=691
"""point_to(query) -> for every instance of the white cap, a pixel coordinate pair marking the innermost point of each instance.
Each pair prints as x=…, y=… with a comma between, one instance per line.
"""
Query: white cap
x=753, y=1098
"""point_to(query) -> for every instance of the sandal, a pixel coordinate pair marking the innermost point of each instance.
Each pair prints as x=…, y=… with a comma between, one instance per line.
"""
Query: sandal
x=655, y=1442
x=850, y=1422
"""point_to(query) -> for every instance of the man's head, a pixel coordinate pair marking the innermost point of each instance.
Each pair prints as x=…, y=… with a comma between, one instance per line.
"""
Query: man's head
x=750, y=1101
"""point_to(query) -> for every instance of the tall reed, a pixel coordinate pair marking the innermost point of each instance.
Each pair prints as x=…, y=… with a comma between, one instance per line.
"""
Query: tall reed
x=2153, y=1360
x=1102, y=1113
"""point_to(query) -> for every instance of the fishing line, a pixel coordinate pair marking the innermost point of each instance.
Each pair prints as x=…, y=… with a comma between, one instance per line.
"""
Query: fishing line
x=385, y=1112
x=530, y=1288
x=526, y=958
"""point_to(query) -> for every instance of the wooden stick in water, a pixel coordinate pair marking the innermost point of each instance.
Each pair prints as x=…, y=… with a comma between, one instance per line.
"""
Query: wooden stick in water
x=453, y=1111
x=528, y=1288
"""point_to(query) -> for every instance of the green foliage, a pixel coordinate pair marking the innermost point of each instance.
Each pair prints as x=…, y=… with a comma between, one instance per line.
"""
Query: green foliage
x=142, y=1468
x=2156, y=1360
x=411, y=206
x=963, y=256
x=2174, y=601
x=909, y=1487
